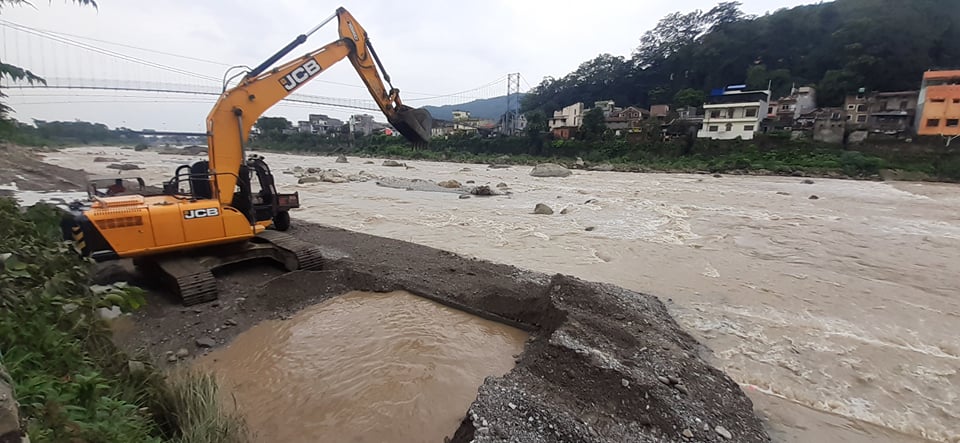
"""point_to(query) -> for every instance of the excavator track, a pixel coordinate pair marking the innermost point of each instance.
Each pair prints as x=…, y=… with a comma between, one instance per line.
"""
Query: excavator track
x=200, y=287
x=309, y=257
x=191, y=275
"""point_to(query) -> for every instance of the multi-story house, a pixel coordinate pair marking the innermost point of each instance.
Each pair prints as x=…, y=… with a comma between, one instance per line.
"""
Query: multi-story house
x=565, y=122
x=800, y=101
x=734, y=113
x=856, y=108
x=938, y=109
x=629, y=119
x=892, y=112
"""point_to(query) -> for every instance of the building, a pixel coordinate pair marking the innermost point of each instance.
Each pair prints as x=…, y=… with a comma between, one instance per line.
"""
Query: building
x=626, y=120
x=606, y=106
x=441, y=128
x=829, y=124
x=938, y=104
x=800, y=101
x=363, y=123
x=892, y=113
x=734, y=113
x=856, y=108
x=660, y=111
x=304, y=127
x=566, y=122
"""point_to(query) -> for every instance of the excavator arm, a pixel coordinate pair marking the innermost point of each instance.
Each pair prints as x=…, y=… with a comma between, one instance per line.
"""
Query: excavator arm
x=237, y=110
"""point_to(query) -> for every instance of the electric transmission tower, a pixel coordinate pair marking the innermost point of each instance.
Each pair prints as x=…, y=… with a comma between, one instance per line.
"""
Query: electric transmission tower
x=510, y=118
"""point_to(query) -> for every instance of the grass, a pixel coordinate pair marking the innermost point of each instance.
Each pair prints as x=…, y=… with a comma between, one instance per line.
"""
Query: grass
x=73, y=384
x=195, y=403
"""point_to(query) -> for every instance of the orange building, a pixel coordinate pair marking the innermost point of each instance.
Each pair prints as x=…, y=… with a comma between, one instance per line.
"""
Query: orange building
x=938, y=111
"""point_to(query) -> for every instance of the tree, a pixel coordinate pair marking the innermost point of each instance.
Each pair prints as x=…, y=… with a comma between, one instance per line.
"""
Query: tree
x=689, y=97
x=593, y=125
x=272, y=125
x=17, y=73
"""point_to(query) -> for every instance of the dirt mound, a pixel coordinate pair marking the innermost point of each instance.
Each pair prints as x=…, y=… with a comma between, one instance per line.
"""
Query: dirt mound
x=603, y=363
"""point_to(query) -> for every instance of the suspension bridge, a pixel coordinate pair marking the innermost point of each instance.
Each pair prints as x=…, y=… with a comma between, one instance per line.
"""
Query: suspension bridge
x=84, y=70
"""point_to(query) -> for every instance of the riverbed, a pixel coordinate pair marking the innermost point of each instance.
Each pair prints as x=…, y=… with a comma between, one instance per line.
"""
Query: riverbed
x=837, y=314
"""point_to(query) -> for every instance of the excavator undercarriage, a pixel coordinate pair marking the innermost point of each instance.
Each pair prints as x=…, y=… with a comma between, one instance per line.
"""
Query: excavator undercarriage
x=190, y=274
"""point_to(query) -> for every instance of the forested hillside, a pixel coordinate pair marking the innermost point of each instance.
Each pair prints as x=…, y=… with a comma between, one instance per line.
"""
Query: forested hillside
x=838, y=47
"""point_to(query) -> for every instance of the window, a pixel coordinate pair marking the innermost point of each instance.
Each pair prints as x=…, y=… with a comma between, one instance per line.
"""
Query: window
x=861, y=118
x=715, y=114
x=770, y=110
x=953, y=122
x=903, y=105
x=748, y=128
x=933, y=122
x=714, y=128
x=850, y=107
x=835, y=116
x=849, y=117
x=938, y=100
x=956, y=100
x=751, y=112
x=729, y=127
x=883, y=106
x=861, y=108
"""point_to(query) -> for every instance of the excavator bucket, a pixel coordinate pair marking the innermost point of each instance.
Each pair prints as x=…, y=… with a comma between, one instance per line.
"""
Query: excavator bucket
x=413, y=124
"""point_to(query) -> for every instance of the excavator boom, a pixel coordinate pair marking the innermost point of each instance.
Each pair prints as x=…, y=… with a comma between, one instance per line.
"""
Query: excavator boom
x=238, y=109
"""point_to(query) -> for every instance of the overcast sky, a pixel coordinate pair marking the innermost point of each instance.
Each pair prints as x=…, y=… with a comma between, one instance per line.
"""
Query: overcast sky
x=429, y=47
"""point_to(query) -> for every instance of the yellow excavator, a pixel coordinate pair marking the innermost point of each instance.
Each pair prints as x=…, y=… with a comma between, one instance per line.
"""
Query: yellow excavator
x=210, y=214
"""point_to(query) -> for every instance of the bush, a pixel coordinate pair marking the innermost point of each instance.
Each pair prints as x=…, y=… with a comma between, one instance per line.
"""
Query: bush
x=72, y=383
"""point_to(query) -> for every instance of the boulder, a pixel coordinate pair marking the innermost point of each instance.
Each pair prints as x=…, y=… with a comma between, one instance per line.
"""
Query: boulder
x=123, y=166
x=305, y=180
x=498, y=166
x=392, y=163
x=342, y=159
x=482, y=190
x=104, y=160
x=9, y=411
x=451, y=184
x=550, y=170
x=314, y=170
x=580, y=163
x=542, y=209
x=368, y=162
x=205, y=342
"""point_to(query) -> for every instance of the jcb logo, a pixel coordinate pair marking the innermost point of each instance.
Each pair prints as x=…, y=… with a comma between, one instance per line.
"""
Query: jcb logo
x=300, y=75
x=201, y=213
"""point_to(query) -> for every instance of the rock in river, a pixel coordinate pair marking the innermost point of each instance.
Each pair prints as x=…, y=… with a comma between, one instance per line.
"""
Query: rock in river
x=452, y=184
x=550, y=170
x=542, y=209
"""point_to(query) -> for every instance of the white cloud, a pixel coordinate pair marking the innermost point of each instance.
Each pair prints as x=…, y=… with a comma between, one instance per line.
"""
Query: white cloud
x=427, y=46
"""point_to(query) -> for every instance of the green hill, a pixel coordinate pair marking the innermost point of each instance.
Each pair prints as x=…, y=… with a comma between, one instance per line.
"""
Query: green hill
x=838, y=47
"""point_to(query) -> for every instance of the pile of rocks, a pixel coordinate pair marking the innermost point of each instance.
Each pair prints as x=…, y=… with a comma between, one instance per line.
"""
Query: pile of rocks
x=316, y=175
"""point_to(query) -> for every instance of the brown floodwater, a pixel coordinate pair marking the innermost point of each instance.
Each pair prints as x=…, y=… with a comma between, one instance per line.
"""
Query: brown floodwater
x=363, y=367
x=838, y=313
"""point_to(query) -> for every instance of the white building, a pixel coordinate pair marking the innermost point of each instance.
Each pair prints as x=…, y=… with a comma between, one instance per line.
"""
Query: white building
x=569, y=117
x=735, y=113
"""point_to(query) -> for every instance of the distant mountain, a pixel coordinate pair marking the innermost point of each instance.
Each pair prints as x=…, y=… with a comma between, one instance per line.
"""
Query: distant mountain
x=488, y=108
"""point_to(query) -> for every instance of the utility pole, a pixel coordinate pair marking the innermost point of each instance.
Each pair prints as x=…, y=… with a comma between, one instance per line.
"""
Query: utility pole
x=512, y=114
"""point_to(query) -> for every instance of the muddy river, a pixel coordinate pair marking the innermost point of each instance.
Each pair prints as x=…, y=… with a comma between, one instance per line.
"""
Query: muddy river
x=363, y=367
x=839, y=314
